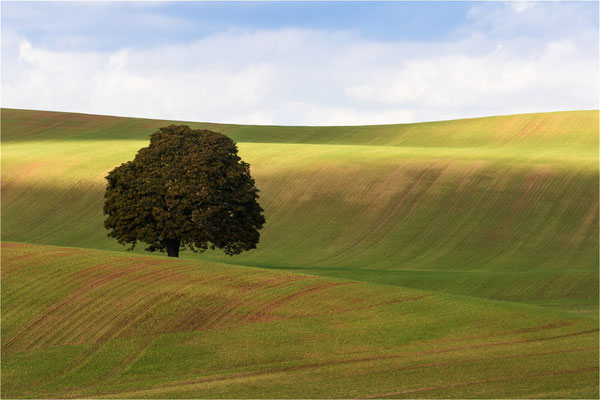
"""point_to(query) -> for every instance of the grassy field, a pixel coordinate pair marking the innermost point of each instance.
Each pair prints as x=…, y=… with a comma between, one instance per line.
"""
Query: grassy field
x=494, y=220
x=89, y=323
x=501, y=207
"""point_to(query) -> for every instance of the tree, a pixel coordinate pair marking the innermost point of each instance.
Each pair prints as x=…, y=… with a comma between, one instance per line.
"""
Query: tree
x=188, y=188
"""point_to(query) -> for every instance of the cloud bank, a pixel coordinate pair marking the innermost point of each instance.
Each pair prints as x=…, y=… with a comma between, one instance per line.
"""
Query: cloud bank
x=314, y=77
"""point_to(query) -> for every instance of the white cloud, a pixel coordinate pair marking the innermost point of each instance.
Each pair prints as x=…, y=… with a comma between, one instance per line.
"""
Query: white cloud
x=520, y=6
x=305, y=77
x=541, y=19
x=560, y=77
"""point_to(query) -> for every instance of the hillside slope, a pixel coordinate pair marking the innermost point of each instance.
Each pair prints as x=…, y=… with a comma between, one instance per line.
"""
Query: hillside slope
x=568, y=130
x=88, y=323
x=499, y=207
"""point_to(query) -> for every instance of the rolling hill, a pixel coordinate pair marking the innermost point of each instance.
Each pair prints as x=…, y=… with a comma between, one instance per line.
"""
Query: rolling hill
x=499, y=207
x=89, y=323
x=443, y=259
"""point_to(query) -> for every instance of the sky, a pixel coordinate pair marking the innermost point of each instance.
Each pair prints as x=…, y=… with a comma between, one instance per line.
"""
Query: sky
x=300, y=63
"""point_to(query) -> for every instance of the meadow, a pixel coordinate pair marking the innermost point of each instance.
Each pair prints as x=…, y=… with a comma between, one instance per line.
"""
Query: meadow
x=443, y=259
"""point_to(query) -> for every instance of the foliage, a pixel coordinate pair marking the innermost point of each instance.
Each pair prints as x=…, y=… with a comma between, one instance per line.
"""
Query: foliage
x=189, y=187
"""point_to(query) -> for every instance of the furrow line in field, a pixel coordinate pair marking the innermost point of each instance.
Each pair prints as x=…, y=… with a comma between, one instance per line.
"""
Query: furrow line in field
x=483, y=381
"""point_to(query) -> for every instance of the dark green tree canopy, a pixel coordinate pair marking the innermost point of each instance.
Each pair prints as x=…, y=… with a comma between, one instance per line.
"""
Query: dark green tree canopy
x=188, y=188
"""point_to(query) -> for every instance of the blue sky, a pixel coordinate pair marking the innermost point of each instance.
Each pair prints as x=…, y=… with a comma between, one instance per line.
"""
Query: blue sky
x=310, y=63
x=102, y=26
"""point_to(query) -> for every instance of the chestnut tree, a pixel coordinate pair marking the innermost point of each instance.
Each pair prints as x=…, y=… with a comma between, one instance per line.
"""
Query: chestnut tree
x=187, y=189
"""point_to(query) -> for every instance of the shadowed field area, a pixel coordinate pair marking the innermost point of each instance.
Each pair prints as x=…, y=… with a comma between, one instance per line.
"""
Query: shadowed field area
x=89, y=323
x=444, y=259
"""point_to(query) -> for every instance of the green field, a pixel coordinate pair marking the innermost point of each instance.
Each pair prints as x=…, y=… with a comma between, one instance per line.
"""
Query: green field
x=453, y=259
x=80, y=323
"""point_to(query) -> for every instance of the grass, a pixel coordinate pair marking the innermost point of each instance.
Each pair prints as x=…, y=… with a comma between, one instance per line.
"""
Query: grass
x=489, y=226
x=89, y=323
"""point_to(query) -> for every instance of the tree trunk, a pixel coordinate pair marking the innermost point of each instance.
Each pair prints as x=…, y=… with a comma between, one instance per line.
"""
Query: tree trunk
x=173, y=247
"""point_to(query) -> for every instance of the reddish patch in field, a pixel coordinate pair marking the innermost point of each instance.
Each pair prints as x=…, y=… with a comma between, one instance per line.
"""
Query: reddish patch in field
x=214, y=317
x=531, y=184
x=60, y=253
x=524, y=200
x=530, y=128
x=7, y=260
x=270, y=282
x=103, y=278
x=264, y=313
x=474, y=167
x=385, y=187
x=24, y=173
x=9, y=245
x=547, y=285
x=227, y=312
x=588, y=227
